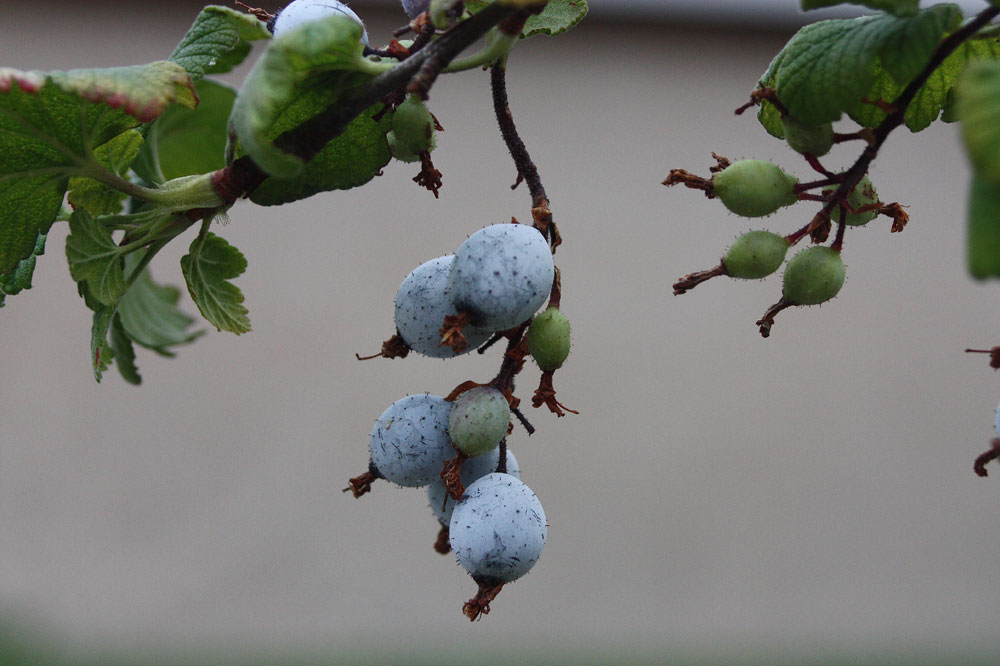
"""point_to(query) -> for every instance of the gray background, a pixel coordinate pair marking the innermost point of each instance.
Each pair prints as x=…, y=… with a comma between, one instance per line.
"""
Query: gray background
x=716, y=490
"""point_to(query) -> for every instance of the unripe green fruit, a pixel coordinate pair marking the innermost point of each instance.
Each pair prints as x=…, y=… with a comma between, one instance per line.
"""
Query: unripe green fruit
x=863, y=194
x=812, y=139
x=755, y=254
x=754, y=188
x=413, y=126
x=478, y=420
x=813, y=276
x=548, y=339
x=401, y=152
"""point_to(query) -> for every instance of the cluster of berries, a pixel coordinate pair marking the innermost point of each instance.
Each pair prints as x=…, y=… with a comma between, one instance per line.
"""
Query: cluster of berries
x=455, y=446
x=757, y=188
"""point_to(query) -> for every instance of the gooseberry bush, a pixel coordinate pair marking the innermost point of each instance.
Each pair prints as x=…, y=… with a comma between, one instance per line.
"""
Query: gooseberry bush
x=132, y=158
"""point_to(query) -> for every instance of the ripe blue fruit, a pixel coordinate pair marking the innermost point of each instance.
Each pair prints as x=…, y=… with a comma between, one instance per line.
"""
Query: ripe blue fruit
x=302, y=11
x=813, y=276
x=497, y=529
x=501, y=275
x=754, y=188
x=478, y=420
x=472, y=469
x=422, y=302
x=409, y=443
x=415, y=8
x=755, y=254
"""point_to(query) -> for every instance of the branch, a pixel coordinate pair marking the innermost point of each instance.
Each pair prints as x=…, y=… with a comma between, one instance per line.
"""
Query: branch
x=895, y=118
x=307, y=139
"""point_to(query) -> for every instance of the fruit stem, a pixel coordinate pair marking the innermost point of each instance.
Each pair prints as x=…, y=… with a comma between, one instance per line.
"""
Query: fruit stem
x=443, y=543
x=767, y=321
x=980, y=465
x=692, y=280
x=994, y=353
x=480, y=604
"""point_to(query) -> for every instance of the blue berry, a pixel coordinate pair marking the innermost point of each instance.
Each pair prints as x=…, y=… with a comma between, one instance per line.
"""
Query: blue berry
x=472, y=470
x=422, y=303
x=409, y=442
x=501, y=275
x=498, y=529
x=299, y=12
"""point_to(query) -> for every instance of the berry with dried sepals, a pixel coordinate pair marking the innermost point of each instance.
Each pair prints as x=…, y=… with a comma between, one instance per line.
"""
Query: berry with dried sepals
x=300, y=12
x=498, y=529
x=409, y=443
x=501, y=275
x=754, y=188
x=422, y=302
x=813, y=276
x=548, y=339
x=473, y=469
x=413, y=126
x=479, y=419
x=863, y=194
x=755, y=255
x=815, y=140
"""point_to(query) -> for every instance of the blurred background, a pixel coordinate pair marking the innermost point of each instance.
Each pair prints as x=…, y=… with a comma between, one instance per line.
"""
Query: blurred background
x=719, y=498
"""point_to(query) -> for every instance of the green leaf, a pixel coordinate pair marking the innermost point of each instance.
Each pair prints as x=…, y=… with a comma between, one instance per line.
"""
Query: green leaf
x=978, y=107
x=984, y=228
x=101, y=352
x=557, y=17
x=211, y=262
x=183, y=142
x=828, y=66
x=218, y=40
x=20, y=278
x=95, y=258
x=350, y=160
x=897, y=7
x=50, y=124
x=123, y=352
x=934, y=96
x=150, y=316
x=320, y=58
x=116, y=156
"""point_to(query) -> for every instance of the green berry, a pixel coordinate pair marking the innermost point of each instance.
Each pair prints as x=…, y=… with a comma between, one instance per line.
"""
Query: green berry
x=755, y=254
x=863, y=194
x=814, y=140
x=754, y=188
x=413, y=126
x=548, y=339
x=478, y=420
x=813, y=276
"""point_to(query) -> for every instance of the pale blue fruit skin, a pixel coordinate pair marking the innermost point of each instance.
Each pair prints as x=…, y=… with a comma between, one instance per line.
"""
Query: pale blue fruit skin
x=478, y=421
x=498, y=529
x=422, y=302
x=472, y=470
x=415, y=8
x=300, y=12
x=409, y=442
x=502, y=275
